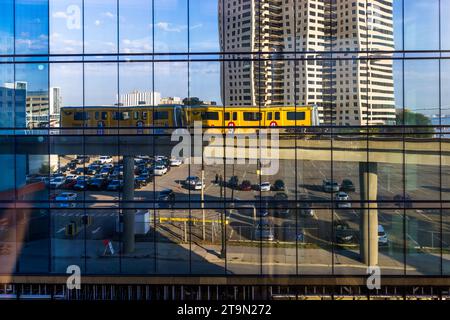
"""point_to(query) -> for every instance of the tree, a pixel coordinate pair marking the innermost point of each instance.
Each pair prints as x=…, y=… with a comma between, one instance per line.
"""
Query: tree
x=193, y=101
x=409, y=118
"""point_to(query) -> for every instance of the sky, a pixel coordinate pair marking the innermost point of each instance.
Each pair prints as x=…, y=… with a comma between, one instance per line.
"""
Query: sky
x=164, y=27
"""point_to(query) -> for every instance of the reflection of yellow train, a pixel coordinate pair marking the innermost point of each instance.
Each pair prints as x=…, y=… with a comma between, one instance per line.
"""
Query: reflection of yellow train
x=170, y=116
x=246, y=118
x=160, y=117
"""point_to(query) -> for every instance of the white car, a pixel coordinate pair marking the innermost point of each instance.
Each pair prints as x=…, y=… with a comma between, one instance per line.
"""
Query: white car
x=105, y=159
x=175, y=162
x=199, y=185
x=71, y=177
x=265, y=186
x=160, y=158
x=342, y=200
x=383, y=239
x=57, y=182
x=65, y=198
x=160, y=170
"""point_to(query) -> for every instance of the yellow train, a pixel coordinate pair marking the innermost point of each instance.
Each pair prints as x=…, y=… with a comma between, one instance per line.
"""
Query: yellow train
x=243, y=119
x=106, y=120
x=147, y=119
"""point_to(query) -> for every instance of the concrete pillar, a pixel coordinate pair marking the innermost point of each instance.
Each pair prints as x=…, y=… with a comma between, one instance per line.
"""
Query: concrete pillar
x=368, y=181
x=128, y=208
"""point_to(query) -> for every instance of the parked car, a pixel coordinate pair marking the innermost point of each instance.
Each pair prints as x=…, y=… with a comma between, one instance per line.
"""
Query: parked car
x=57, y=182
x=81, y=184
x=105, y=171
x=175, y=162
x=144, y=179
x=82, y=159
x=70, y=181
x=342, y=200
x=265, y=186
x=233, y=183
x=246, y=185
x=115, y=185
x=137, y=184
x=65, y=199
x=72, y=164
x=306, y=209
x=279, y=185
x=347, y=185
x=191, y=181
x=383, y=239
x=199, y=185
x=79, y=171
x=264, y=230
x=330, y=186
x=93, y=169
x=160, y=170
x=97, y=184
x=343, y=233
x=166, y=195
x=64, y=168
x=105, y=159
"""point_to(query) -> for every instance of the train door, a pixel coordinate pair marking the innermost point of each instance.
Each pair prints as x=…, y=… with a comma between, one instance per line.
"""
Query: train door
x=100, y=127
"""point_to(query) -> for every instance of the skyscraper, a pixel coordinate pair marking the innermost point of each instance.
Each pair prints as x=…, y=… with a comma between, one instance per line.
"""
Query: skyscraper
x=333, y=69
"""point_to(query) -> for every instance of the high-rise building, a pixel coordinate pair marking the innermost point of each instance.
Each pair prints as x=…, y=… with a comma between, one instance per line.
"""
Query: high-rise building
x=12, y=104
x=332, y=40
x=55, y=100
x=136, y=98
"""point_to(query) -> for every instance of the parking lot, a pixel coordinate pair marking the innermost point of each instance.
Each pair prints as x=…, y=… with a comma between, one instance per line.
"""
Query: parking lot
x=301, y=219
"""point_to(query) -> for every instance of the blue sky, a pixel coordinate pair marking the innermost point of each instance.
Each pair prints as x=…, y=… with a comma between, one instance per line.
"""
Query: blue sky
x=170, y=28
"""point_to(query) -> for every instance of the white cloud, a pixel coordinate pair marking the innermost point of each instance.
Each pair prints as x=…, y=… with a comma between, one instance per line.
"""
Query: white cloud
x=168, y=27
x=109, y=14
x=136, y=45
x=97, y=22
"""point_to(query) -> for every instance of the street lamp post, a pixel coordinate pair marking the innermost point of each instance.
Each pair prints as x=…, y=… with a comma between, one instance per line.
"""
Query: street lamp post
x=222, y=222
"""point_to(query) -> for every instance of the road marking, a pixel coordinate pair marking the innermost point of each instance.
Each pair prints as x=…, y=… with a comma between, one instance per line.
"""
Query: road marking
x=61, y=230
x=96, y=230
x=422, y=214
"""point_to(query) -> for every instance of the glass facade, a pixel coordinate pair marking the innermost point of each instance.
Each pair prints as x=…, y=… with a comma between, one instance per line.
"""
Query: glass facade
x=316, y=137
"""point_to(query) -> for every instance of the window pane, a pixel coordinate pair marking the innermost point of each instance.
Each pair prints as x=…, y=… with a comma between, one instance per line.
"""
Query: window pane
x=66, y=22
x=100, y=26
x=31, y=26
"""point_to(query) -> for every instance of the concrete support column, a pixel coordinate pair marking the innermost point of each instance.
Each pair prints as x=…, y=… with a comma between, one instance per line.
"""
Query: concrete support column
x=128, y=208
x=368, y=181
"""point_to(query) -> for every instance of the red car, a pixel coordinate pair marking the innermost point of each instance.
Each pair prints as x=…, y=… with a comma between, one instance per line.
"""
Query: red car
x=246, y=185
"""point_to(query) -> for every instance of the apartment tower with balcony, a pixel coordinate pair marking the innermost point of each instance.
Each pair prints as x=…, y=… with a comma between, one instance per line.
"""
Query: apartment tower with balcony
x=341, y=47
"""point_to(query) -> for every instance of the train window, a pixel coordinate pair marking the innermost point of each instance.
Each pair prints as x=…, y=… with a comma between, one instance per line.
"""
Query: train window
x=161, y=115
x=97, y=115
x=296, y=115
x=104, y=115
x=144, y=115
x=234, y=116
x=269, y=115
x=210, y=116
x=121, y=115
x=277, y=115
x=136, y=115
x=81, y=116
x=252, y=116
x=227, y=116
